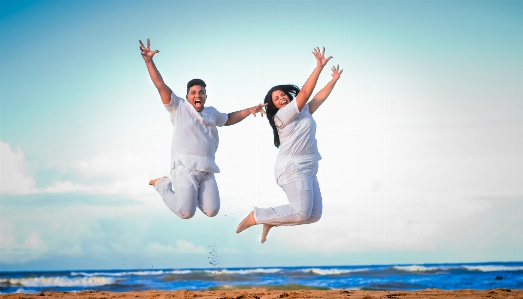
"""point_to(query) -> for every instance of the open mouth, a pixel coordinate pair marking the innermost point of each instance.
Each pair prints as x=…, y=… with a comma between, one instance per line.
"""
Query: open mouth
x=283, y=103
x=198, y=103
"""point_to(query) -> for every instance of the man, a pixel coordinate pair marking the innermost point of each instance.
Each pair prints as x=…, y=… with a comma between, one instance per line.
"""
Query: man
x=195, y=141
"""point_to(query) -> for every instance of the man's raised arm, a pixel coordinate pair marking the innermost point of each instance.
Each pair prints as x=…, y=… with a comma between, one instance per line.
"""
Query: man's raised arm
x=147, y=55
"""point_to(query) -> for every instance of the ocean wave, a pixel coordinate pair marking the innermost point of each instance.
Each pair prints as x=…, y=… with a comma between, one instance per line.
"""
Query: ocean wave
x=246, y=271
x=493, y=268
x=24, y=291
x=61, y=281
x=137, y=273
x=481, y=268
x=335, y=271
x=419, y=268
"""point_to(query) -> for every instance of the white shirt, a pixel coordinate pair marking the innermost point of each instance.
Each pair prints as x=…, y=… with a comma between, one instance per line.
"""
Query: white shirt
x=195, y=136
x=297, y=131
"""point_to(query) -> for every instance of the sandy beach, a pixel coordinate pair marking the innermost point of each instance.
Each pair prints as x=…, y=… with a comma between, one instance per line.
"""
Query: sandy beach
x=259, y=293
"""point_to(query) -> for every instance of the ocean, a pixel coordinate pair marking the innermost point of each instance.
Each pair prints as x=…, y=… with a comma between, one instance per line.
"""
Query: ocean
x=476, y=276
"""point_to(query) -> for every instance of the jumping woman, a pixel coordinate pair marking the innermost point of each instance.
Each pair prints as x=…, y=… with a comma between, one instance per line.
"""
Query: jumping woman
x=289, y=112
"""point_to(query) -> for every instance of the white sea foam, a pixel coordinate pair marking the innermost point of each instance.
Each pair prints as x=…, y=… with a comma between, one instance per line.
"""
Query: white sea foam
x=246, y=271
x=334, y=271
x=179, y=272
x=482, y=268
x=61, y=281
x=138, y=273
x=24, y=291
x=419, y=268
x=492, y=268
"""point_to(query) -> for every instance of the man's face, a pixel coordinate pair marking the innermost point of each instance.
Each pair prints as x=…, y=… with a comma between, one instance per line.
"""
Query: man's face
x=197, y=97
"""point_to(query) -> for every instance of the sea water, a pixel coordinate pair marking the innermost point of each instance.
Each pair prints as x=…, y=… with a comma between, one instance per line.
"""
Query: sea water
x=476, y=276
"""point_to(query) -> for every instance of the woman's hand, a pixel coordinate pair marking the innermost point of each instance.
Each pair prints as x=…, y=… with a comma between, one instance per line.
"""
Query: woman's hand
x=147, y=54
x=320, y=57
x=258, y=109
x=336, y=72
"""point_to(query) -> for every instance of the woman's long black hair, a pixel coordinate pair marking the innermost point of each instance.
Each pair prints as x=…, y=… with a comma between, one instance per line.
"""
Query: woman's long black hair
x=291, y=91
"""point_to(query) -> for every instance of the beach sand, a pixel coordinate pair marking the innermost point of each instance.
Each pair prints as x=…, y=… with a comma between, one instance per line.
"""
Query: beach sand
x=273, y=294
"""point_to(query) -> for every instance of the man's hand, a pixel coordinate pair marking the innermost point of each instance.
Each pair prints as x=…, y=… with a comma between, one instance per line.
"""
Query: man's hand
x=147, y=54
x=320, y=57
x=258, y=109
x=238, y=116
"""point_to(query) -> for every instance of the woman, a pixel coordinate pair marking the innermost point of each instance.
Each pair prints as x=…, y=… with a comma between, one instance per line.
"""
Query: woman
x=297, y=163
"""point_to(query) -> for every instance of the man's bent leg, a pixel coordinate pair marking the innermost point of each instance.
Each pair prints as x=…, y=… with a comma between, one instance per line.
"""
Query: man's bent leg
x=180, y=194
x=209, y=196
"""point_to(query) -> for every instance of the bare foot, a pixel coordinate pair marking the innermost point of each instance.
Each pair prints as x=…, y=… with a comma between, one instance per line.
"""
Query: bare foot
x=246, y=223
x=266, y=229
x=152, y=182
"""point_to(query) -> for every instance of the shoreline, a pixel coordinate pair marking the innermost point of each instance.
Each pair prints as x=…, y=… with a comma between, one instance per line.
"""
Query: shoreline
x=261, y=293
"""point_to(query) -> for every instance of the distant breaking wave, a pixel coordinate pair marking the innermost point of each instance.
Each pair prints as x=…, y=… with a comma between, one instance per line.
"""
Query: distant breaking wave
x=418, y=268
x=125, y=273
x=60, y=281
x=482, y=268
x=246, y=271
x=493, y=268
x=334, y=271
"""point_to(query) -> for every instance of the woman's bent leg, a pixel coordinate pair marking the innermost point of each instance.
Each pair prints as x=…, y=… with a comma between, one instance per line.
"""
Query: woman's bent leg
x=317, y=204
x=300, y=194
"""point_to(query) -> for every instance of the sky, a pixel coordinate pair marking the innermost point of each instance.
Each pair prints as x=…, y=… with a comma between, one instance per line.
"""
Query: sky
x=421, y=139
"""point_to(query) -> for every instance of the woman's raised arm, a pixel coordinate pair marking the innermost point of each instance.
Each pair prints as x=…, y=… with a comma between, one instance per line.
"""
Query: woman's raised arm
x=308, y=87
x=322, y=95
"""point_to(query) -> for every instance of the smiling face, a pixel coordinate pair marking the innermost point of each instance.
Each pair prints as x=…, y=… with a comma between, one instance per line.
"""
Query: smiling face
x=196, y=96
x=280, y=99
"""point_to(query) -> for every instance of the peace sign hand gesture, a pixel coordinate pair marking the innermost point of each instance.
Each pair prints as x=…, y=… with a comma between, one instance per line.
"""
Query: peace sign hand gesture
x=147, y=54
x=320, y=57
x=258, y=109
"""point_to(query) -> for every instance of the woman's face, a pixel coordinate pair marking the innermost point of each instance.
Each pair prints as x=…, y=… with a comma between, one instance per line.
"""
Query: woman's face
x=280, y=99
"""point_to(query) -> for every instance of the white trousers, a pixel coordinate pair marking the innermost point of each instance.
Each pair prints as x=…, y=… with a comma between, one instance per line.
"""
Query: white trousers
x=187, y=189
x=301, y=186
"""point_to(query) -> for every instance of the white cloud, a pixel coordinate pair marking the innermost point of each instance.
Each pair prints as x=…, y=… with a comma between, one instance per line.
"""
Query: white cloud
x=395, y=198
x=7, y=239
x=14, y=178
x=11, y=252
x=182, y=246
x=48, y=231
x=33, y=241
x=104, y=173
x=188, y=247
x=121, y=173
x=390, y=222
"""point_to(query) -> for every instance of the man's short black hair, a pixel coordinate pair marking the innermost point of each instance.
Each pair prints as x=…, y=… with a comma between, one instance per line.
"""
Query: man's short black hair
x=195, y=82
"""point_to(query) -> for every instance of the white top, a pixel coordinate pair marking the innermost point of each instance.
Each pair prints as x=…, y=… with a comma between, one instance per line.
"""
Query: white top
x=195, y=136
x=297, y=131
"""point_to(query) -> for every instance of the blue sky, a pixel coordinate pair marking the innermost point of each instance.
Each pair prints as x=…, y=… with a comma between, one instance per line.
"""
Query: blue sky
x=421, y=139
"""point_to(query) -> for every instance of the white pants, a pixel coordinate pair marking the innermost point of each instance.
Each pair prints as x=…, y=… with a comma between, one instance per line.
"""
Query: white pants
x=300, y=183
x=189, y=188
